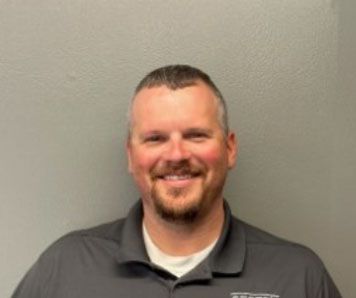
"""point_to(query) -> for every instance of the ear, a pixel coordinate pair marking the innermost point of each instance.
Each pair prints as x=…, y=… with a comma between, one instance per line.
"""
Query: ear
x=232, y=149
x=129, y=156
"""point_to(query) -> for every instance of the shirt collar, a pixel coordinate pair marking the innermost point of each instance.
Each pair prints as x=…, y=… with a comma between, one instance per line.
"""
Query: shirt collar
x=227, y=257
x=132, y=247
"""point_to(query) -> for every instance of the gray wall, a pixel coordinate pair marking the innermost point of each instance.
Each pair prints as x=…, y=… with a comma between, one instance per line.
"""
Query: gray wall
x=68, y=68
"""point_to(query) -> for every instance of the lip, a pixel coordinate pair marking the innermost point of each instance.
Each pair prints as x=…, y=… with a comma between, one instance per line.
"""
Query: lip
x=178, y=181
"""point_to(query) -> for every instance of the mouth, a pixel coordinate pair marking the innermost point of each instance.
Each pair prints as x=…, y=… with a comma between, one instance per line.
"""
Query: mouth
x=178, y=180
x=173, y=177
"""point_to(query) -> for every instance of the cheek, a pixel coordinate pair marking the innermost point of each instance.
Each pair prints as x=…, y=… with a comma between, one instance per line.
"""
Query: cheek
x=213, y=156
x=143, y=161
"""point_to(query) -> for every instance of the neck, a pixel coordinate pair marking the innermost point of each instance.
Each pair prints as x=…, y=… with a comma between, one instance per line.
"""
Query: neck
x=185, y=239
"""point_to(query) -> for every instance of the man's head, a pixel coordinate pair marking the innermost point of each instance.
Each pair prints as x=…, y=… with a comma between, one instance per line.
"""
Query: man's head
x=179, y=147
x=178, y=77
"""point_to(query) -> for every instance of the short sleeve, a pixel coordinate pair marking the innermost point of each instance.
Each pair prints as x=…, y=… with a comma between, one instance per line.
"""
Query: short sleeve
x=327, y=288
x=31, y=284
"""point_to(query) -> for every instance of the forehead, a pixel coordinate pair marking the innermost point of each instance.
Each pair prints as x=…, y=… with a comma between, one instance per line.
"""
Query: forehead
x=161, y=102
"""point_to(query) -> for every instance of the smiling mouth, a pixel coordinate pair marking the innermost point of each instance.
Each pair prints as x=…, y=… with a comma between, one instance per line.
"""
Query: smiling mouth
x=178, y=180
x=177, y=177
x=178, y=174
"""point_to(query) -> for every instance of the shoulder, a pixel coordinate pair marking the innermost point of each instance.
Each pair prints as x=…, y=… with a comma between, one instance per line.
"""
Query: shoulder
x=81, y=242
x=266, y=246
x=270, y=260
x=64, y=261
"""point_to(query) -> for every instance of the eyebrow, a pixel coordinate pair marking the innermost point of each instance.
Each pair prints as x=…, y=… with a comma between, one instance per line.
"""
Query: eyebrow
x=187, y=131
x=150, y=133
x=206, y=131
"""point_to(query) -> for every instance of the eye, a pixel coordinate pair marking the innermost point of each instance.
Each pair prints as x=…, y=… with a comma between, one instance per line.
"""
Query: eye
x=156, y=138
x=197, y=136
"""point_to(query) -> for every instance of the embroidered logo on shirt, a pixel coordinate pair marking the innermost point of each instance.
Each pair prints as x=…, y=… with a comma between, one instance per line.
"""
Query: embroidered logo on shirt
x=252, y=295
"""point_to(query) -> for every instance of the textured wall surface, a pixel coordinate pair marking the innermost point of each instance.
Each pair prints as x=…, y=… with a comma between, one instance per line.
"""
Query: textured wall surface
x=67, y=71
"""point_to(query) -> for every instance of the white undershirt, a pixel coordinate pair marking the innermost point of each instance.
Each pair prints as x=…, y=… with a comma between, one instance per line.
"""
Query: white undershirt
x=177, y=265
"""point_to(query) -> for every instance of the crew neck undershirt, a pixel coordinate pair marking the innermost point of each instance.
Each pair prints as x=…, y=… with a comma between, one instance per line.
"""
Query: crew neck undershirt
x=177, y=265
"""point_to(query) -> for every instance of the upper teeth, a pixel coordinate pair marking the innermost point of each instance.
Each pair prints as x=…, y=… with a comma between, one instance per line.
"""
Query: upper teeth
x=176, y=177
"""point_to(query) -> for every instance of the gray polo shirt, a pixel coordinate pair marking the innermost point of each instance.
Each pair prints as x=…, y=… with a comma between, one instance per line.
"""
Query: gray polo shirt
x=110, y=261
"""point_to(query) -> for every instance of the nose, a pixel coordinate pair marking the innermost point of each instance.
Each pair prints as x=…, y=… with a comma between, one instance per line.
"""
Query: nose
x=177, y=150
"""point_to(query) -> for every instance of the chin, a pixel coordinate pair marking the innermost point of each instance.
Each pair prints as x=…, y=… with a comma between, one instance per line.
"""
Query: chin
x=183, y=215
x=178, y=206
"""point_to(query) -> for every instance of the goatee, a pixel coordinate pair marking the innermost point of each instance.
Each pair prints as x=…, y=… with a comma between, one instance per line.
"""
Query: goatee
x=184, y=215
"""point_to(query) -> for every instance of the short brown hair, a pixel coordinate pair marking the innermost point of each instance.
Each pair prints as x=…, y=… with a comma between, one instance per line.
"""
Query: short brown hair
x=180, y=76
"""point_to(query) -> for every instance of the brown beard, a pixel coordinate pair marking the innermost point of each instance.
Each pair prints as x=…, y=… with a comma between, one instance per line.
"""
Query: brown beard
x=164, y=198
x=181, y=216
x=189, y=213
x=182, y=167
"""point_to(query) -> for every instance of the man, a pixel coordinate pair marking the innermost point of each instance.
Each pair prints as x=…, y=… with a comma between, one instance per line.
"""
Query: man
x=180, y=239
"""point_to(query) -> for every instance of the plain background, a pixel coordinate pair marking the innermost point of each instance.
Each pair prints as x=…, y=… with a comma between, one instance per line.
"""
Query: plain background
x=68, y=69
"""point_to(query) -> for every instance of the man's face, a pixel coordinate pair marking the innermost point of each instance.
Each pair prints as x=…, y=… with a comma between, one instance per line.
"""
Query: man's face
x=178, y=154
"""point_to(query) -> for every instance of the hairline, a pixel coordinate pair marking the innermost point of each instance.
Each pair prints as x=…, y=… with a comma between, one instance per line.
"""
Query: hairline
x=221, y=104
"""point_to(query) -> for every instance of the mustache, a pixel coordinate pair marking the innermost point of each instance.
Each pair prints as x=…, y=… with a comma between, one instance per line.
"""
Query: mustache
x=177, y=168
